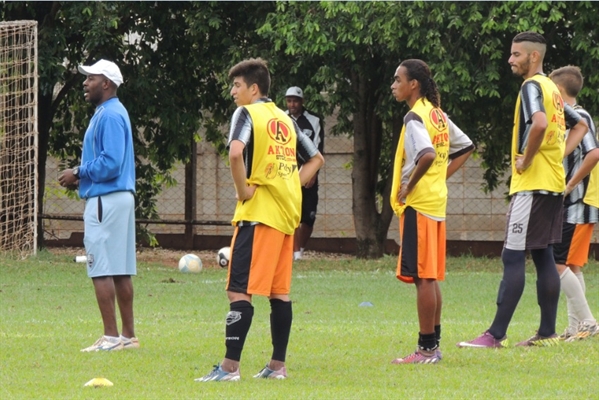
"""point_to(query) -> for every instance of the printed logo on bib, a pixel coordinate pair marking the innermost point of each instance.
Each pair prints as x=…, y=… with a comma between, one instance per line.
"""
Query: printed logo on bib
x=558, y=118
x=558, y=103
x=438, y=119
x=270, y=171
x=278, y=131
x=283, y=151
x=552, y=137
x=286, y=170
x=282, y=170
x=440, y=141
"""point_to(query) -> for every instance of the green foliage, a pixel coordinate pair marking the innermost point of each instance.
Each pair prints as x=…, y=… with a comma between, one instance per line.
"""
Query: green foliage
x=349, y=50
x=337, y=348
x=171, y=55
x=175, y=57
x=331, y=52
x=465, y=43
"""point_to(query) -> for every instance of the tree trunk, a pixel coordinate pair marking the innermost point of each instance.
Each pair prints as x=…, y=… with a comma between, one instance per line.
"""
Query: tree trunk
x=191, y=194
x=371, y=225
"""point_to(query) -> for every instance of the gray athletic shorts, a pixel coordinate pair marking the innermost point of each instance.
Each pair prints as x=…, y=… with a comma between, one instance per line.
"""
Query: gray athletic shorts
x=109, y=237
x=534, y=221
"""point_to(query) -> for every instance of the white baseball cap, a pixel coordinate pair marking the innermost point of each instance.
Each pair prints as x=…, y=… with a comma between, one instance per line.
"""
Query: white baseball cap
x=103, y=67
x=295, y=91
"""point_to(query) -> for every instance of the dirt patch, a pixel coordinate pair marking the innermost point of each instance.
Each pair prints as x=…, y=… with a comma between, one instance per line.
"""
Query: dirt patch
x=166, y=257
x=171, y=258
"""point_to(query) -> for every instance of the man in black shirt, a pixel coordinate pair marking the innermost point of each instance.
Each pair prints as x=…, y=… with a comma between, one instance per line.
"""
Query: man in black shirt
x=312, y=126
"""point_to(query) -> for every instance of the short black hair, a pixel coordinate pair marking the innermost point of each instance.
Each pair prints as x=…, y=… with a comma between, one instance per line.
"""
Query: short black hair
x=529, y=36
x=253, y=70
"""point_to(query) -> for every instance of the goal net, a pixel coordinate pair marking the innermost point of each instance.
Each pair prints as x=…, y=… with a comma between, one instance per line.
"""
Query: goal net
x=18, y=137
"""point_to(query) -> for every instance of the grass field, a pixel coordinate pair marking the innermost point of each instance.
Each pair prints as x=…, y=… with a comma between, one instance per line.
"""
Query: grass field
x=338, y=349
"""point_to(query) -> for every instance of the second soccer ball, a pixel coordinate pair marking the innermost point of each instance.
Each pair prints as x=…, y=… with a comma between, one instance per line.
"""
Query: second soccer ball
x=223, y=257
x=190, y=263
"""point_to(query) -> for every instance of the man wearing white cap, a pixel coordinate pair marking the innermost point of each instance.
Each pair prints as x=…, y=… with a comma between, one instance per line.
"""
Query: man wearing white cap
x=106, y=180
x=311, y=125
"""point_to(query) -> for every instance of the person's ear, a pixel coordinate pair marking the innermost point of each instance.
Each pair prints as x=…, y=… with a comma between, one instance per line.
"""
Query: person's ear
x=414, y=84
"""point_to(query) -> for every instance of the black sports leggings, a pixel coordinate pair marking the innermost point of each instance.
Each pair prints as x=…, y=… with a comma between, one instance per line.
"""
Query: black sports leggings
x=512, y=286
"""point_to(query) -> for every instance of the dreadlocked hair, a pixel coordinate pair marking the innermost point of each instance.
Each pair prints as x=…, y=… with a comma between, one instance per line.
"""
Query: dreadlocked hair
x=418, y=70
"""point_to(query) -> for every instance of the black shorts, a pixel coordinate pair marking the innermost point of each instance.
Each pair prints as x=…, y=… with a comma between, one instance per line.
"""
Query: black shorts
x=561, y=250
x=534, y=221
x=309, y=204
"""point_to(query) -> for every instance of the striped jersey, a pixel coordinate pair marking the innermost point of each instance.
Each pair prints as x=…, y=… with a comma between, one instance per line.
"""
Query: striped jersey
x=576, y=209
x=546, y=173
x=311, y=126
x=426, y=129
x=273, y=146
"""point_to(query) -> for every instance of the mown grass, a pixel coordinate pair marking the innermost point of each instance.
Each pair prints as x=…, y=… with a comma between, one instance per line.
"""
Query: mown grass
x=338, y=349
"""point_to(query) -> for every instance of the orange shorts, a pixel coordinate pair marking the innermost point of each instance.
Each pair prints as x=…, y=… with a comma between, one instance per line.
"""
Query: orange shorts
x=581, y=243
x=261, y=261
x=422, y=251
x=575, y=245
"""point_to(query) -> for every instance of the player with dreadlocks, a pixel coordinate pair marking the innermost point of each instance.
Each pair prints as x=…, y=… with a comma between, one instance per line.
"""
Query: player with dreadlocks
x=431, y=148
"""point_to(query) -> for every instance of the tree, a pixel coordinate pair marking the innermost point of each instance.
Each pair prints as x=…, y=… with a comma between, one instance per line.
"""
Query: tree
x=175, y=57
x=332, y=45
x=350, y=51
x=170, y=54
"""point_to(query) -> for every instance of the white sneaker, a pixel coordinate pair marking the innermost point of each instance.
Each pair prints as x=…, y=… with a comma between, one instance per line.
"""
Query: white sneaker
x=218, y=375
x=585, y=330
x=297, y=255
x=105, y=344
x=268, y=373
x=129, y=343
x=568, y=333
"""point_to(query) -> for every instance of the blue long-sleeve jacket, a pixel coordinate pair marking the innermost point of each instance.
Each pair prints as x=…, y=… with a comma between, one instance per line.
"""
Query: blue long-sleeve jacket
x=108, y=161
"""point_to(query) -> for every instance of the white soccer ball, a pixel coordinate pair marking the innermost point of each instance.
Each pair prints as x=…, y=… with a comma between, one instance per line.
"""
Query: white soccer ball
x=190, y=263
x=223, y=257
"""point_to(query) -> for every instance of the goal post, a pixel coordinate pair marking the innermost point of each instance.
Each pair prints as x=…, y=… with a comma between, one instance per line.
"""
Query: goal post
x=18, y=137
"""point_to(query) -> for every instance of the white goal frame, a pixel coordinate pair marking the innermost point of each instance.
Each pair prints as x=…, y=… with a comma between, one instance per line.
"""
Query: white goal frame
x=18, y=138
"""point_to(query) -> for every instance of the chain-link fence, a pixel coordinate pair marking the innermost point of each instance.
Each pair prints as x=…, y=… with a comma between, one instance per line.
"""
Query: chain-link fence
x=472, y=214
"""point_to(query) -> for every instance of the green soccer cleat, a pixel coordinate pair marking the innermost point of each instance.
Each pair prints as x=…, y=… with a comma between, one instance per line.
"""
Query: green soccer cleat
x=540, y=341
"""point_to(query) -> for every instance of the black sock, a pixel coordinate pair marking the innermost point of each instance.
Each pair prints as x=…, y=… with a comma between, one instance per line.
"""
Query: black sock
x=427, y=341
x=438, y=334
x=548, y=286
x=239, y=320
x=281, y=317
x=510, y=290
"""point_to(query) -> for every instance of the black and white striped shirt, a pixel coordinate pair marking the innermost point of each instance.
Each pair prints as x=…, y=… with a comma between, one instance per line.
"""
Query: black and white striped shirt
x=576, y=211
x=242, y=129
